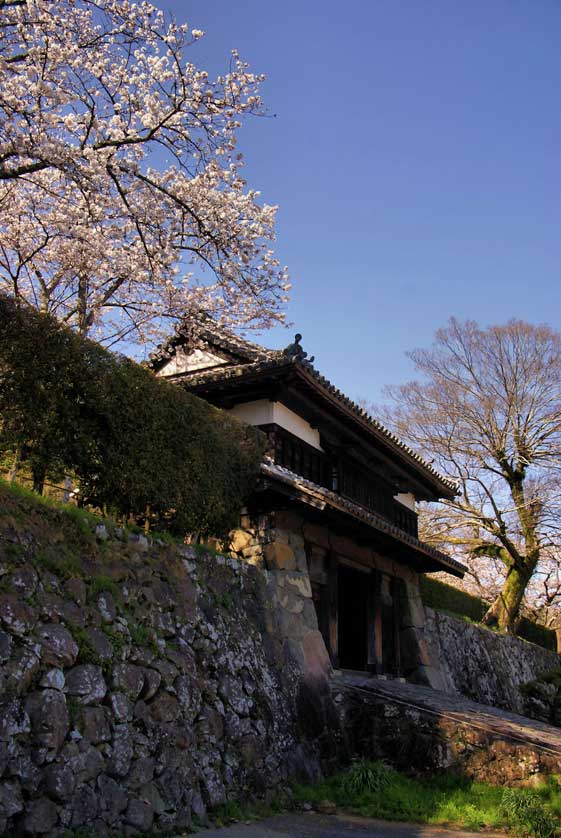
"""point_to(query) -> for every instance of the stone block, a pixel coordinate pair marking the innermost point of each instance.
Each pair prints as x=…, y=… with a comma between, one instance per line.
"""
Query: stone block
x=301, y=582
x=139, y=542
x=100, y=642
x=412, y=613
x=316, y=657
x=76, y=588
x=164, y=707
x=301, y=559
x=16, y=615
x=60, y=781
x=58, y=646
x=252, y=551
x=292, y=603
x=53, y=679
x=49, y=718
x=41, y=816
x=239, y=539
x=113, y=800
x=5, y=647
x=22, y=669
x=279, y=556
x=129, y=679
x=87, y=682
x=414, y=649
x=122, y=752
x=106, y=607
x=85, y=806
x=24, y=580
x=95, y=725
x=11, y=800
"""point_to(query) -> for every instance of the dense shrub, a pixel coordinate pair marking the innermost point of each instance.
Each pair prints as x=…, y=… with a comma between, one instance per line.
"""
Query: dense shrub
x=130, y=439
x=444, y=597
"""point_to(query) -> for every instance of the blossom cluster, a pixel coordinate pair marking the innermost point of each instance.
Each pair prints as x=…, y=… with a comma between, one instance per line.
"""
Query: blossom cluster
x=122, y=202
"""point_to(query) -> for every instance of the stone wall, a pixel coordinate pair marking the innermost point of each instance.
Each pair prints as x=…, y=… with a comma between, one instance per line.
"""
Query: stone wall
x=142, y=684
x=485, y=666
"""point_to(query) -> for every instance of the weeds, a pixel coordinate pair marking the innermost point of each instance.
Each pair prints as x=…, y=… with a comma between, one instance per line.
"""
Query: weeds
x=367, y=776
x=373, y=790
x=63, y=566
x=100, y=584
x=225, y=600
x=525, y=811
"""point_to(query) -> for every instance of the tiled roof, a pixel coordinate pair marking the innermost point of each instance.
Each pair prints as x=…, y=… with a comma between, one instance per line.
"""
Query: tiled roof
x=270, y=469
x=209, y=332
x=276, y=360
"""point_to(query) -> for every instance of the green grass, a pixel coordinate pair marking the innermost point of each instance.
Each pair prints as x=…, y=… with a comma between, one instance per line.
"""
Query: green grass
x=234, y=811
x=59, y=561
x=103, y=584
x=377, y=791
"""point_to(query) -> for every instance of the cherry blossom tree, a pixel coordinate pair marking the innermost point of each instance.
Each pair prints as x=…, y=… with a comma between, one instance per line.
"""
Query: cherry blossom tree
x=487, y=412
x=122, y=203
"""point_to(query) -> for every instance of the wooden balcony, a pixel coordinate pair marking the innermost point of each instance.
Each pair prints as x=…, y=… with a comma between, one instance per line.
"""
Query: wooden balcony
x=340, y=475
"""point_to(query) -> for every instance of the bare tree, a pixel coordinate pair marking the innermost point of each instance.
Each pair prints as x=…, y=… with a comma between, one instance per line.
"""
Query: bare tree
x=487, y=411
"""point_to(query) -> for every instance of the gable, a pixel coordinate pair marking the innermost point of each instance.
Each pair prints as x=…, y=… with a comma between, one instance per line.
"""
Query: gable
x=192, y=360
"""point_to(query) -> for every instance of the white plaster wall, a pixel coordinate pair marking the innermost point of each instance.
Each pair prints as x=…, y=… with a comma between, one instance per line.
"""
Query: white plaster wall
x=406, y=499
x=198, y=359
x=265, y=412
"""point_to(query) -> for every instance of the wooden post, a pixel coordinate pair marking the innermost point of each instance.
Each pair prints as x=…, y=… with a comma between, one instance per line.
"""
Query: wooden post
x=333, y=607
x=399, y=595
x=375, y=662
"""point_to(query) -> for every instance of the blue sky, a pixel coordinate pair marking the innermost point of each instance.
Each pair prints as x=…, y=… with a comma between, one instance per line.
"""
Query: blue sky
x=415, y=157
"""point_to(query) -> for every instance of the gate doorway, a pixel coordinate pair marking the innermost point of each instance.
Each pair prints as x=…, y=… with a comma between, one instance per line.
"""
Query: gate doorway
x=352, y=618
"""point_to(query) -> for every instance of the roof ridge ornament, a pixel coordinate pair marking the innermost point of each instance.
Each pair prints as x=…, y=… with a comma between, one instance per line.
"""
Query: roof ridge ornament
x=294, y=350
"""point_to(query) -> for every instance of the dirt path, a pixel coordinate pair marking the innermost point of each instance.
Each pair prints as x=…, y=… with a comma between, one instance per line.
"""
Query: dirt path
x=335, y=826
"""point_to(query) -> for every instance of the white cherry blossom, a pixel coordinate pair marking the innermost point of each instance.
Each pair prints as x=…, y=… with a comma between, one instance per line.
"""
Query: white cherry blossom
x=122, y=203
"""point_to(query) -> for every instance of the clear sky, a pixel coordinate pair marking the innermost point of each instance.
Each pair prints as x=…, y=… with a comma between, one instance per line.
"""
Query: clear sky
x=415, y=156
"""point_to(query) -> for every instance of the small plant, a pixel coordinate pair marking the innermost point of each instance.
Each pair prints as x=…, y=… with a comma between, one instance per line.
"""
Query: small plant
x=86, y=651
x=142, y=636
x=101, y=583
x=365, y=775
x=65, y=567
x=13, y=551
x=227, y=813
x=525, y=810
x=116, y=638
x=74, y=708
x=225, y=600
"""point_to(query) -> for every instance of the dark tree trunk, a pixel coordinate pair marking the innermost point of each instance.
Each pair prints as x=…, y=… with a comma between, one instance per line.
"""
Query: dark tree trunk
x=505, y=610
x=39, y=473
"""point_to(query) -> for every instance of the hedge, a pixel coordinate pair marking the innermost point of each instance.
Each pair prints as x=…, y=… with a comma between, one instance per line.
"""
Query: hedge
x=130, y=439
x=442, y=597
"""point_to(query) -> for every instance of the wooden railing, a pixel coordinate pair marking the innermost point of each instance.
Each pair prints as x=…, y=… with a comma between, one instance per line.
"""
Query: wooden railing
x=405, y=519
x=303, y=459
x=339, y=475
